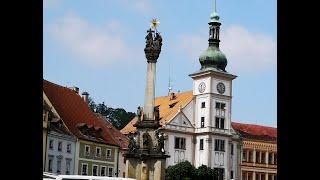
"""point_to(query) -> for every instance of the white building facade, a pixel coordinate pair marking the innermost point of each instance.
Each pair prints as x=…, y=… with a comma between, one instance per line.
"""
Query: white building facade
x=197, y=124
x=60, y=153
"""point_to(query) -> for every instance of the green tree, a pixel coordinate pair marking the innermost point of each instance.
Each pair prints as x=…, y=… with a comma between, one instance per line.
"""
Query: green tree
x=119, y=117
x=186, y=171
x=181, y=171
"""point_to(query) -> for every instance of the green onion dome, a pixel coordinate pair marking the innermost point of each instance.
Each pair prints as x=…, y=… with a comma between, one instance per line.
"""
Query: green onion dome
x=213, y=57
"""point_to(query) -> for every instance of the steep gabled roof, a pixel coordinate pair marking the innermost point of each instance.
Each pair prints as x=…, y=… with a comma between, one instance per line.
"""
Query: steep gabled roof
x=168, y=108
x=117, y=136
x=255, y=132
x=75, y=113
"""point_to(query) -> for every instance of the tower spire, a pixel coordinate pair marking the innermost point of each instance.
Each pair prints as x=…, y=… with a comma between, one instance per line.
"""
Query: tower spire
x=213, y=57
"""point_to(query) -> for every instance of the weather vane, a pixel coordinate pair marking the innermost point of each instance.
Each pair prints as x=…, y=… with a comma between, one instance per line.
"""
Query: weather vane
x=154, y=23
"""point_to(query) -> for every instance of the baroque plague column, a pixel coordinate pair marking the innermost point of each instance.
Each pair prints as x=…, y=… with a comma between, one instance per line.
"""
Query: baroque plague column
x=146, y=158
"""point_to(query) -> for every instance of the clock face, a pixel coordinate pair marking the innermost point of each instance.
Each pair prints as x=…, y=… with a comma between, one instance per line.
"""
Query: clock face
x=221, y=88
x=202, y=87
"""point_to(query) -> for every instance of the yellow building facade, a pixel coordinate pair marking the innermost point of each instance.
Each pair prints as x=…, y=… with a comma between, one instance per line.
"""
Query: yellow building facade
x=259, y=152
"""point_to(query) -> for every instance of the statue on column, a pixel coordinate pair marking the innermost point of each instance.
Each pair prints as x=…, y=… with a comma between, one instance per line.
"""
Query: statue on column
x=161, y=142
x=139, y=113
x=132, y=144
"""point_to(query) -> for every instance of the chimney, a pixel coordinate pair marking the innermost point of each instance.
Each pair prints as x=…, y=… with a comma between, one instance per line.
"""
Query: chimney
x=172, y=96
x=76, y=89
x=85, y=96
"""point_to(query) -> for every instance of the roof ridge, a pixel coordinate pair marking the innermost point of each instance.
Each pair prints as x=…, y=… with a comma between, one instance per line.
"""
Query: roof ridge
x=184, y=92
x=253, y=125
x=59, y=86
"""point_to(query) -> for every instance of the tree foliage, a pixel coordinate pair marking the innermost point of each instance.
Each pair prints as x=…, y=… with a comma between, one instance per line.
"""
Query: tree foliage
x=186, y=171
x=117, y=116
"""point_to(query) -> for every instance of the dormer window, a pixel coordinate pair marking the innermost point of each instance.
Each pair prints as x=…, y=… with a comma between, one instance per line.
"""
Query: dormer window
x=172, y=105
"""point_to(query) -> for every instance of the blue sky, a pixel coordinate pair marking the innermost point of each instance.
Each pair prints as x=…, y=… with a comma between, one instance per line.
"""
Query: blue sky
x=98, y=46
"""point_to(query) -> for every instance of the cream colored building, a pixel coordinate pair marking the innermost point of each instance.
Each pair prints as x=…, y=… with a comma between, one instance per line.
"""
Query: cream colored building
x=259, y=151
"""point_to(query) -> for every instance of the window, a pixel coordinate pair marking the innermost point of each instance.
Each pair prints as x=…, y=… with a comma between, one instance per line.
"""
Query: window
x=69, y=148
x=87, y=150
x=94, y=170
x=270, y=158
x=263, y=157
x=203, y=105
x=51, y=144
x=231, y=149
x=60, y=146
x=68, y=163
x=275, y=159
x=250, y=156
x=58, y=166
x=103, y=171
x=110, y=171
x=108, y=153
x=219, y=175
x=220, y=105
x=84, y=169
x=244, y=156
x=219, y=123
x=258, y=176
x=263, y=177
x=98, y=151
x=219, y=145
x=258, y=157
x=50, y=164
x=179, y=143
x=231, y=174
x=202, y=122
x=201, y=144
x=220, y=109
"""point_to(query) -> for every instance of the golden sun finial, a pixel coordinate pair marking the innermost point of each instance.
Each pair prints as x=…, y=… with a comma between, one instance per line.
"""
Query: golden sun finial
x=154, y=23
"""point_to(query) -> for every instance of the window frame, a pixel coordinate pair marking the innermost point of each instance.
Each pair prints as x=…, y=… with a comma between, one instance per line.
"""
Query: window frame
x=87, y=169
x=69, y=148
x=60, y=146
x=201, y=144
x=50, y=165
x=51, y=144
x=181, y=143
x=203, y=105
x=97, y=172
x=85, y=150
x=219, y=145
x=96, y=152
x=105, y=170
x=202, y=122
x=109, y=171
x=59, y=163
x=68, y=161
x=108, y=150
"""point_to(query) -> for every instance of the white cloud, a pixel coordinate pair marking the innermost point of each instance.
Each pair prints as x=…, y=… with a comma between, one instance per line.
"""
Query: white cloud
x=94, y=45
x=244, y=50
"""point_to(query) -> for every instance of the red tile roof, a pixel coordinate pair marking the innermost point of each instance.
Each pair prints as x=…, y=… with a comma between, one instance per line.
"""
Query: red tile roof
x=255, y=132
x=117, y=136
x=74, y=112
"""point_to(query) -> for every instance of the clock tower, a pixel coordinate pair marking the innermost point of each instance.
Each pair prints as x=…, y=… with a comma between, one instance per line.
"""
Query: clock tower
x=212, y=90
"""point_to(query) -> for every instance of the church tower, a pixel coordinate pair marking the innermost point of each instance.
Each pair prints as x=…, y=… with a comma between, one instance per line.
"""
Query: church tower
x=212, y=90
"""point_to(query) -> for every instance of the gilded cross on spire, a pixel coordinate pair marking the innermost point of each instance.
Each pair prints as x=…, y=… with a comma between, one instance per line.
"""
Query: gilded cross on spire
x=154, y=23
